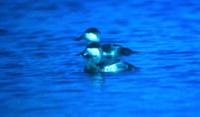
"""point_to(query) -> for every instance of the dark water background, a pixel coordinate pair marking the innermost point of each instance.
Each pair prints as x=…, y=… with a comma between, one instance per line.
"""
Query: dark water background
x=40, y=76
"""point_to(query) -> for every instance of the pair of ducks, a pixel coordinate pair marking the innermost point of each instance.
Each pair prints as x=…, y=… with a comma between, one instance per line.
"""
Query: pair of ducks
x=103, y=58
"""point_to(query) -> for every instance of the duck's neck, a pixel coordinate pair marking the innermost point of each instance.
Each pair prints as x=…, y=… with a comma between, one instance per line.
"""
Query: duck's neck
x=92, y=67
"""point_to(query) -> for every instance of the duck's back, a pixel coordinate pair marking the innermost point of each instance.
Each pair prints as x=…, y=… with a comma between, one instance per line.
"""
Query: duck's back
x=114, y=50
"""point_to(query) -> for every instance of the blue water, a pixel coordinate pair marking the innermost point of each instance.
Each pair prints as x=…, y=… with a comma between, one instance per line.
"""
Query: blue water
x=40, y=76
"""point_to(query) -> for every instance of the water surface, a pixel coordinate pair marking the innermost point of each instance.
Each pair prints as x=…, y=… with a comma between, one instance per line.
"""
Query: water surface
x=41, y=76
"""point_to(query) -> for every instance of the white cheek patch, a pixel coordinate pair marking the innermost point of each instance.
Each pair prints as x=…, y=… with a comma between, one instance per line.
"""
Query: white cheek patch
x=91, y=37
x=93, y=51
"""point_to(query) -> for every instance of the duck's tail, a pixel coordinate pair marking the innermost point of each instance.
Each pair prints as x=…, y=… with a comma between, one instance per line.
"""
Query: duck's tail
x=127, y=51
x=131, y=67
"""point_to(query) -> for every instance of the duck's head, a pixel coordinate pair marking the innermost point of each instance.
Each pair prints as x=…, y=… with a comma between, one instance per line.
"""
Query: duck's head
x=91, y=34
x=93, y=52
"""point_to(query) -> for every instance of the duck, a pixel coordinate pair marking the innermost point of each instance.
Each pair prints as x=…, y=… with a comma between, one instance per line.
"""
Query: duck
x=97, y=63
x=109, y=50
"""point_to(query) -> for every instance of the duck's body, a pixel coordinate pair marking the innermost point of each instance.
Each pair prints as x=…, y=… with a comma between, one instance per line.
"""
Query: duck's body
x=114, y=50
x=96, y=63
x=116, y=66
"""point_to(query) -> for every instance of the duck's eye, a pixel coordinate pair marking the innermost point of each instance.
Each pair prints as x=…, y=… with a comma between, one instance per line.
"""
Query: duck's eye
x=91, y=36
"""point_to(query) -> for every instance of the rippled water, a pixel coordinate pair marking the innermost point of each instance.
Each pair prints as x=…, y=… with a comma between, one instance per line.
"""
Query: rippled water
x=41, y=76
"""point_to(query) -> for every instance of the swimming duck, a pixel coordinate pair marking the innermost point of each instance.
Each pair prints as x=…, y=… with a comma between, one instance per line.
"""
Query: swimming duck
x=109, y=50
x=96, y=63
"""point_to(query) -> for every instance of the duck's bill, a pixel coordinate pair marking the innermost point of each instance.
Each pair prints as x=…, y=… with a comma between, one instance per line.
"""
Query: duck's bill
x=78, y=54
x=83, y=54
x=78, y=38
